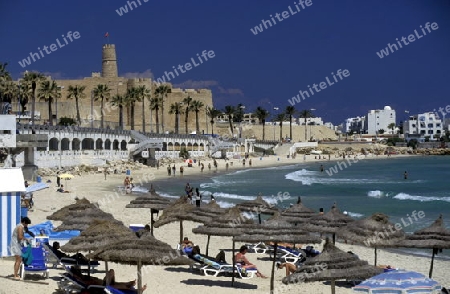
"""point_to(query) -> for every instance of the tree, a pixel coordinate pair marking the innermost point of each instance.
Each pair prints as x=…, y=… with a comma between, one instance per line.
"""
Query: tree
x=391, y=126
x=306, y=113
x=381, y=131
x=280, y=118
x=239, y=114
x=5, y=78
x=131, y=97
x=162, y=91
x=188, y=101
x=262, y=114
x=101, y=93
x=212, y=113
x=143, y=93
x=196, y=107
x=176, y=108
x=32, y=78
x=9, y=91
x=49, y=91
x=155, y=104
x=290, y=111
x=119, y=101
x=25, y=95
x=4, y=74
x=230, y=111
x=77, y=92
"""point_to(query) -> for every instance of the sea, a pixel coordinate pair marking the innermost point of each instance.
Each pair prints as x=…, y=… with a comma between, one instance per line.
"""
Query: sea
x=359, y=187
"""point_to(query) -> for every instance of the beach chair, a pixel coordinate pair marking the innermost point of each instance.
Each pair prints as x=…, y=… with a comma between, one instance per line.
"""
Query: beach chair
x=212, y=268
x=259, y=248
x=289, y=255
x=38, y=264
x=67, y=262
x=112, y=290
x=69, y=284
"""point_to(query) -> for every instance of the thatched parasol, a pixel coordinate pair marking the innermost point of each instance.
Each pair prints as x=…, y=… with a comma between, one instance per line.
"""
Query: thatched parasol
x=143, y=251
x=80, y=204
x=331, y=265
x=374, y=231
x=212, y=209
x=180, y=211
x=298, y=213
x=152, y=201
x=81, y=220
x=258, y=206
x=328, y=222
x=436, y=237
x=272, y=236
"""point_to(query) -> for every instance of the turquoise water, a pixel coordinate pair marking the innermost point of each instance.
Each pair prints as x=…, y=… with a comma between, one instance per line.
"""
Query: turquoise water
x=361, y=189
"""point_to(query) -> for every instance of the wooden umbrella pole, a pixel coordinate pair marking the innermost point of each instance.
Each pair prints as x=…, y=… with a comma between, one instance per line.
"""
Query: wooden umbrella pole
x=333, y=287
x=151, y=222
x=272, y=277
x=139, y=265
x=432, y=263
x=334, y=238
x=375, y=256
x=181, y=231
x=207, y=245
x=106, y=266
x=259, y=217
x=234, y=263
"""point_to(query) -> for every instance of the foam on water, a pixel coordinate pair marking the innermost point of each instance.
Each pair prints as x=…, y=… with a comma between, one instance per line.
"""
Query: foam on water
x=225, y=204
x=376, y=194
x=404, y=196
x=233, y=196
x=166, y=195
x=354, y=214
x=307, y=177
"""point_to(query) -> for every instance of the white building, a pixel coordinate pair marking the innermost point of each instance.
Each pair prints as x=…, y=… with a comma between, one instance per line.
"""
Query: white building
x=355, y=125
x=380, y=119
x=315, y=121
x=7, y=131
x=426, y=124
x=330, y=126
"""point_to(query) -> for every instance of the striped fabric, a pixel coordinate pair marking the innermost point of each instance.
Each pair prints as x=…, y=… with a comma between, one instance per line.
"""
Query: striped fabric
x=9, y=218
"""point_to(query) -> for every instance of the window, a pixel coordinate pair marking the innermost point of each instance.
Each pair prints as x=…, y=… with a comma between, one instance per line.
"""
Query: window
x=413, y=125
x=438, y=125
x=422, y=132
x=430, y=132
x=430, y=125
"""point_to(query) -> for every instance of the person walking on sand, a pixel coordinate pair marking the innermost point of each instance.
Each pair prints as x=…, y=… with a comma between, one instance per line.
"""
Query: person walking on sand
x=58, y=180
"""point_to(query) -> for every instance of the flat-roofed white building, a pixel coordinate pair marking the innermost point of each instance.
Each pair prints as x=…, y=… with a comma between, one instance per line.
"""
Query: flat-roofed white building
x=7, y=131
x=355, y=125
x=424, y=124
x=380, y=119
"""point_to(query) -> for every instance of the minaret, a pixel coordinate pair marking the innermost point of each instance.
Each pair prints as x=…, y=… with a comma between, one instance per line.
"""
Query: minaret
x=109, y=61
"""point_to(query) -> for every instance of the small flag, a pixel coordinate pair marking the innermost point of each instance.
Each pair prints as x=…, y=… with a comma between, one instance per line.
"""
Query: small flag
x=106, y=35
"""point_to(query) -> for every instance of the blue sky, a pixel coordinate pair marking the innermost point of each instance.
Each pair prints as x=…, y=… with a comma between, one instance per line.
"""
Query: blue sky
x=265, y=69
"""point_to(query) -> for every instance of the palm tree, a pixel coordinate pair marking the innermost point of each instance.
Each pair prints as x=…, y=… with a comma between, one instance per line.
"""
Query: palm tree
x=131, y=97
x=49, y=91
x=176, y=108
x=262, y=114
x=162, y=91
x=290, y=111
x=281, y=117
x=32, y=78
x=188, y=102
x=101, y=93
x=25, y=95
x=119, y=101
x=212, y=113
x=239, y=113
x=230, y=111
x=4, y=74
x=196, y=107
x=391, y=126
x=77, y=92
x=155, y=104
x=143, y=93
x=9, y=91
x=306, y=113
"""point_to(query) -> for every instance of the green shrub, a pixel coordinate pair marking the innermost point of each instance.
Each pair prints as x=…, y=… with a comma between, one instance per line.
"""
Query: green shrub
x=184, y=153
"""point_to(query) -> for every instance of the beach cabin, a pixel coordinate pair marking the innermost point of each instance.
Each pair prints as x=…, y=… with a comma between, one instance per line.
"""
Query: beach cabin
x=11, y=186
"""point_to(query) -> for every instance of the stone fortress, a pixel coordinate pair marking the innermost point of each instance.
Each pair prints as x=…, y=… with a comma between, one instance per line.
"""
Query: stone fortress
x=64, y=107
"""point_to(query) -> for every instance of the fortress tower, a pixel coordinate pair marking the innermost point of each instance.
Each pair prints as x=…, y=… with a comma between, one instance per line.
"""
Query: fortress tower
x=109, y=61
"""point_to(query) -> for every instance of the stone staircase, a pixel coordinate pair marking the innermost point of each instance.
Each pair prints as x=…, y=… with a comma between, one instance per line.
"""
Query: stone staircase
x=283, y=150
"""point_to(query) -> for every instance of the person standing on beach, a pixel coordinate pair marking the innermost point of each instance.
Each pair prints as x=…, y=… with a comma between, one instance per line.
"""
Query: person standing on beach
x=198, y=199
x=18, y=237
x=181, y=170
x=174, y=169
x=169, y=171
x=250, y=162
x=226, y=166
x=209, y=166
x=202, y=168
x=58, y=180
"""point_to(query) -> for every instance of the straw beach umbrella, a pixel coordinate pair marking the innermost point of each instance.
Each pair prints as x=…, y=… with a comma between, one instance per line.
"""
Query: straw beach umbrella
x=259, y=205
x=298, y=213
x=81, y=220
x=80, y=204
x=436, y=237
x=180, y=211
x=331, y=265
x=328, y=222
x=146, y=250
x=374, y=231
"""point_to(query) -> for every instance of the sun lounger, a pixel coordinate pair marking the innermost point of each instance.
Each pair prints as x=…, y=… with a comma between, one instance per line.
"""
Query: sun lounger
x=67, y=262
x=210, y=267
x=112, y=290
x=289, y=255
x=260, y=248
x=70, y=284
x=38, y=264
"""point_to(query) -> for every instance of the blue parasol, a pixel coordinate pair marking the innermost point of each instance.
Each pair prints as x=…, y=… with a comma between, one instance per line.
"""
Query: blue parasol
x=399, y=282
x=36, y=187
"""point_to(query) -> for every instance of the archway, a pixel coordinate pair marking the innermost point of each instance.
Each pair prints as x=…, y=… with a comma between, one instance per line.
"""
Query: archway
x=76, y=144
x=123, y=145
x=87, y=144
x=53, y=144
x=107, y=144
x=116, y=145
x=99, y=144
x=65, y=144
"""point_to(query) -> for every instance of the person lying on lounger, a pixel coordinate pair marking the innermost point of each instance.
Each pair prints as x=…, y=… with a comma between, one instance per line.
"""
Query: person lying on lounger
x=79, y=257
x=243, y=261
x=76, y=273
x=110, y=280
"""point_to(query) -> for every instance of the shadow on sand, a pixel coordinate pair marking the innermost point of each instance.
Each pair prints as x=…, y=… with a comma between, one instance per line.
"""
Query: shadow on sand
x=219, y=283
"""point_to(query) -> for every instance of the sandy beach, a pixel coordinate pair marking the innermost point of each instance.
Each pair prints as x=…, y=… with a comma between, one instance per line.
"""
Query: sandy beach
x=171, y=279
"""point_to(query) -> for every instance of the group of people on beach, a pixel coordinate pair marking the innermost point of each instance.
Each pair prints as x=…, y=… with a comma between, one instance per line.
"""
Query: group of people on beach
x=128, y=184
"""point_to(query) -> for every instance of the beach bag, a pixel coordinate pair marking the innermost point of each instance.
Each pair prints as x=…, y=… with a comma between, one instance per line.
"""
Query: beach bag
x=27, y=255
